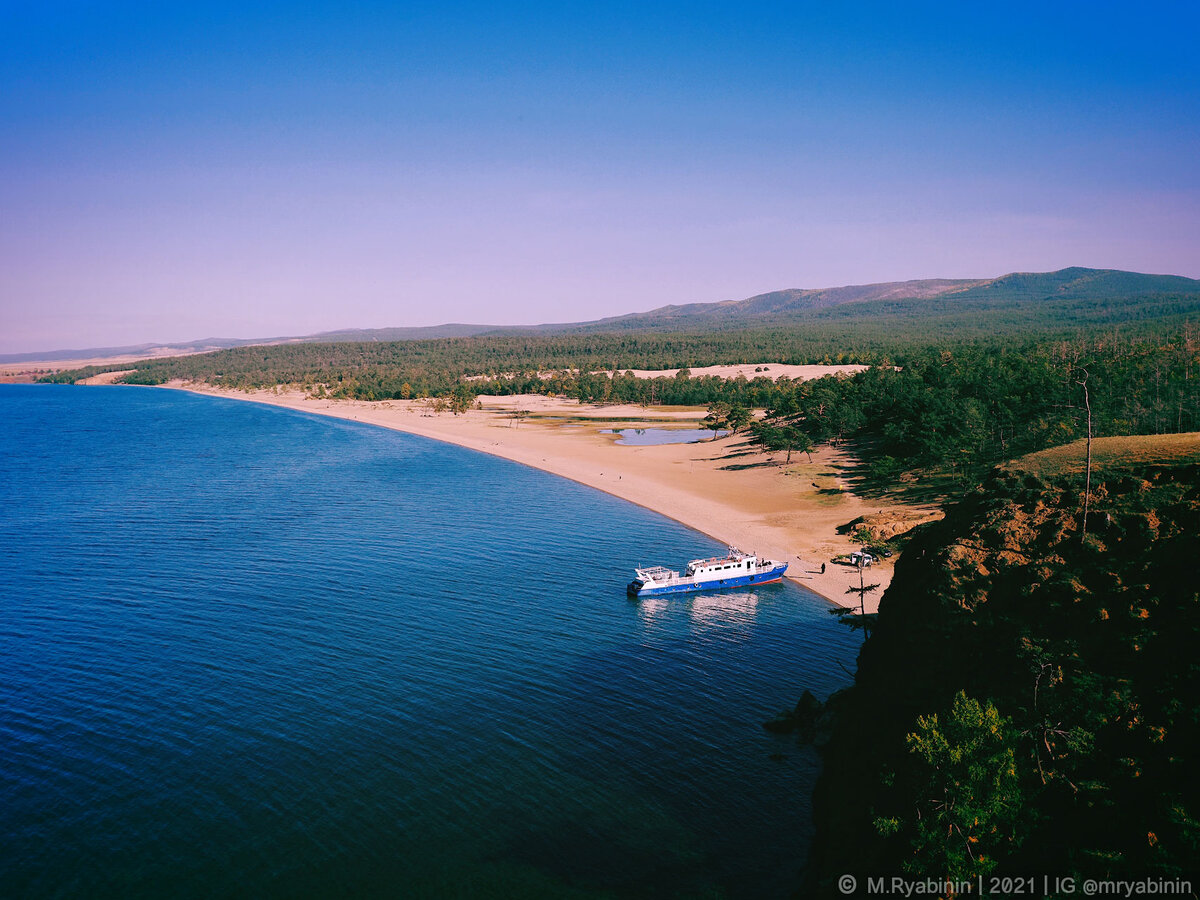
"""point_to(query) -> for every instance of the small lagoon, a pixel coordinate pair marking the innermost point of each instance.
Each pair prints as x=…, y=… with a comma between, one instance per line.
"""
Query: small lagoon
x=646, y=437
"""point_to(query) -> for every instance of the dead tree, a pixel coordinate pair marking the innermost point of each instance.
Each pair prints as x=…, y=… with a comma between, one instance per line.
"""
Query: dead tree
x=1087, y=484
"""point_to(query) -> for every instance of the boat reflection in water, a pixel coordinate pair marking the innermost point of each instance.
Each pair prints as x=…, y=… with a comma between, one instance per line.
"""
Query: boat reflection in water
x=723, y=609
x=651, y=609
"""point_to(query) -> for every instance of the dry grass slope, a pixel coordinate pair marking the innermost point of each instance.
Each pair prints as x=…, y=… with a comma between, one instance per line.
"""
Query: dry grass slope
x=1110, y=453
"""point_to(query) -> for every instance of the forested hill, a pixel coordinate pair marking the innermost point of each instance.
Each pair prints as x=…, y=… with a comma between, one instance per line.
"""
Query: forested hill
x=1069, y=295
x=1035, y=299
x=1029, y=698
x=1074, y=295
x=776, y=304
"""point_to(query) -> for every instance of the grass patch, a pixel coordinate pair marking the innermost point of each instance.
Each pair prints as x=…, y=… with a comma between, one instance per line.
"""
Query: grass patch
x=1130, y=452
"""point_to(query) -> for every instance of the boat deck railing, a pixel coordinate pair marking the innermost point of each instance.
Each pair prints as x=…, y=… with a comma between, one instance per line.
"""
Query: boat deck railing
x=658, y=573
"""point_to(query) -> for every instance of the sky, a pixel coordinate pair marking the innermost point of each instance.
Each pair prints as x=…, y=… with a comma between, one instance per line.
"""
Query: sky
x=174, y=171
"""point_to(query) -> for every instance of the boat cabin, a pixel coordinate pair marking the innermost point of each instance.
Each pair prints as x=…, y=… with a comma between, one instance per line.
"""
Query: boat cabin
x=734, y=564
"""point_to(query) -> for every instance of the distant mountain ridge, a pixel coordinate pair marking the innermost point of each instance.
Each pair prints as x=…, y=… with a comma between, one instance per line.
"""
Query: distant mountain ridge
x=908, y=296
x=206, y=345
x=144, y=350
x=793, y=300
x=1083, y=292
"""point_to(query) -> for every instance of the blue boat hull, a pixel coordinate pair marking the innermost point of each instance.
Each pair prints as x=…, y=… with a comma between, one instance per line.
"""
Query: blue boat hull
x=767, y=577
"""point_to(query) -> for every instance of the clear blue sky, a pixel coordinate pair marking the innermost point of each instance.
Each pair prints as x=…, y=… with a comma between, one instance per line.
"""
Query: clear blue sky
x=174, y=171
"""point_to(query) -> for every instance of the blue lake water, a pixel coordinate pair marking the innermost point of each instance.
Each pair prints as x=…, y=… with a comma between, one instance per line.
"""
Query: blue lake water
x=251, y=652
x=650, y=437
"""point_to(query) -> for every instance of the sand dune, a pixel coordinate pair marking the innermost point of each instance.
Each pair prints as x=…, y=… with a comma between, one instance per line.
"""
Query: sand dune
x=773, y=371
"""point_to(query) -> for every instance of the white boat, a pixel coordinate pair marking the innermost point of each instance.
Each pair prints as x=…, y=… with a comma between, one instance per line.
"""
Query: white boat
x=737, y=569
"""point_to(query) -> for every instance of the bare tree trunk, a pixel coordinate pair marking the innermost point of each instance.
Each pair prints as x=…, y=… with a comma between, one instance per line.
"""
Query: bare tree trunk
x=1087, y=484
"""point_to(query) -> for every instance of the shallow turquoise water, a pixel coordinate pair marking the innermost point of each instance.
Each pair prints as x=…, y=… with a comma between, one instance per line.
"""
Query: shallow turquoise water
x=246, y=651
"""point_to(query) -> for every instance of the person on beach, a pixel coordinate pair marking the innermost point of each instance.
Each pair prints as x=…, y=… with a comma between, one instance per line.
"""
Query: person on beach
x=822, y=568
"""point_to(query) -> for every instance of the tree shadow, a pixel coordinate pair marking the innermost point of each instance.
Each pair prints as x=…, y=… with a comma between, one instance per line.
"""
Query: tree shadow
x=737, y=467
x=912, y=488
x=737, y=454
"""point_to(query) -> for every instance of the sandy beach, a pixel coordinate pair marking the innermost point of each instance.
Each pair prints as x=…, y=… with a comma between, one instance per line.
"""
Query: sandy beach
x=723, y=488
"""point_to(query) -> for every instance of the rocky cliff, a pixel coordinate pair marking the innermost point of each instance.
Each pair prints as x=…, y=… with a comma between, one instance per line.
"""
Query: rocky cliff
x=1029, y=698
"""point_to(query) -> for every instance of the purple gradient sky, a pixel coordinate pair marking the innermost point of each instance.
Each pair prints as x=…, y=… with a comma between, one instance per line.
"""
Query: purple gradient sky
x=256, y=170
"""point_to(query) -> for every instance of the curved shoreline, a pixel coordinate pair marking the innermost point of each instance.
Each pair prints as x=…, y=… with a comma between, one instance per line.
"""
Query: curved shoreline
x=722, y=488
